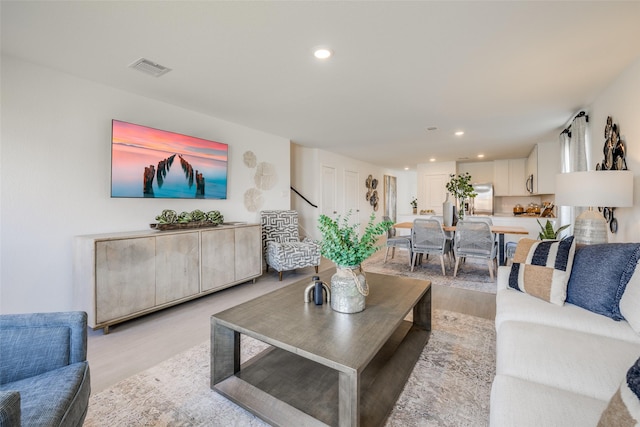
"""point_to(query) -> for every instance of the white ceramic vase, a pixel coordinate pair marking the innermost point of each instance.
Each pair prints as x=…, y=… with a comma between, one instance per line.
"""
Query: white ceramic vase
x=348, y=290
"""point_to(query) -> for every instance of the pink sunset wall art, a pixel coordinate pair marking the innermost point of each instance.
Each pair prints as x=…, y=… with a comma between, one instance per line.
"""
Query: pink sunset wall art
x=148, y=162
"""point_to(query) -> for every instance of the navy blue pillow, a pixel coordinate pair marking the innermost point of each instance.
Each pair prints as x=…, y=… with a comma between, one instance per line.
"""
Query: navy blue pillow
x=624, y=405
x=599, y=276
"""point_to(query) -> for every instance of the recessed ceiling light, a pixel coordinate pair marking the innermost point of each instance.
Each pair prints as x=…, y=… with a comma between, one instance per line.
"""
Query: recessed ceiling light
x=480, y=156
x=406, y=168
x=460, y=133
x=433, y=159
x=322, y=53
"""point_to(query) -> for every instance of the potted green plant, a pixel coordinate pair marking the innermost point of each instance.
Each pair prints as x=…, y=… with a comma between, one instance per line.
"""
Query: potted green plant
x=459, y=186
x=414, y=205
x=547, y=232
x=342, y=244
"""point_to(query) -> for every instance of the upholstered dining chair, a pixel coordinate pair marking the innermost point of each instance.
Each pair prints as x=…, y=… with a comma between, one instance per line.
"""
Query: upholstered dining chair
x=393, y=242
x=428, y=237
x=474, y=239
x=283, y=250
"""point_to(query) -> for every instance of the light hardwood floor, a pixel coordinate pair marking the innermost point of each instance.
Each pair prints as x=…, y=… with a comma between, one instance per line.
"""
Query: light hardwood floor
x=136, y=345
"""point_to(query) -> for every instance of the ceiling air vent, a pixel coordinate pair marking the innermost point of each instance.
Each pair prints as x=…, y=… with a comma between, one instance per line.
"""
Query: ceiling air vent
x=149, y=67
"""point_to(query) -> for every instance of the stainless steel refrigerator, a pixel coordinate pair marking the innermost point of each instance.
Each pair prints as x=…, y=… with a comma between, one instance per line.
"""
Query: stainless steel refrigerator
x=482, y=204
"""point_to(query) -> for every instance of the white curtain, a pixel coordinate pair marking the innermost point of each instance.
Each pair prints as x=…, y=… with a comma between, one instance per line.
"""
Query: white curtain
x=565, y=212
x=573, y=153
x=578, y=144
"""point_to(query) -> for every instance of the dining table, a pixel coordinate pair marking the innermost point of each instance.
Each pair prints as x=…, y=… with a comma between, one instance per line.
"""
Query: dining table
x=500, y=230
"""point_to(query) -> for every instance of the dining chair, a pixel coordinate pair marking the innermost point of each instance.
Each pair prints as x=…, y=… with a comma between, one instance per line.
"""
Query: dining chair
x=428, y=237
x=474, y=239
x=482, y=218
x=509, y=251
x=448, y=234
x=393, y=242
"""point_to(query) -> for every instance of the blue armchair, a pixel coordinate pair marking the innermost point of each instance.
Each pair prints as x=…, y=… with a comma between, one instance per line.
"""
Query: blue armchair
x=44, y=373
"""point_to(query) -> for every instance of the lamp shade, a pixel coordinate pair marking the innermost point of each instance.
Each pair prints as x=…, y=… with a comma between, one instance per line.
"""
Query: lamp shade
x=595, y=188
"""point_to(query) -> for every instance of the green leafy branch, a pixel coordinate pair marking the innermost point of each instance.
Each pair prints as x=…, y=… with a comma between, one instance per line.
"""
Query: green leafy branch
x=341, y=242
x=460, y=186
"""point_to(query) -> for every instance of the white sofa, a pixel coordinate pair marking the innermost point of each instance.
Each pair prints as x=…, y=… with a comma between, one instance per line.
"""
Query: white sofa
x=556, y=365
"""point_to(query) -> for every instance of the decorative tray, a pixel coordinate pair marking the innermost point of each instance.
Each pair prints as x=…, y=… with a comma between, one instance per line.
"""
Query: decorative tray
x=183, y=226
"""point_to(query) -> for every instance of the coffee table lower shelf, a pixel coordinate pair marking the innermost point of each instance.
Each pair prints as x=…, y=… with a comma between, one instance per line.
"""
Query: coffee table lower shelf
x=285, y=389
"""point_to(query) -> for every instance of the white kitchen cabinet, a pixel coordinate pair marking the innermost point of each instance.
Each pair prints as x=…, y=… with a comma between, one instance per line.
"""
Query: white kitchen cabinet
x=544, y=164
x=517, y=178
x=481, y=172
x=531, y=171
x=501, y=177
x=509, y=177
x=120, y=276
x=548, y=167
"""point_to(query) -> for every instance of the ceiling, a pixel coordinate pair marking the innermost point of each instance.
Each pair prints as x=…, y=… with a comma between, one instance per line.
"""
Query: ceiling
x=509, y=74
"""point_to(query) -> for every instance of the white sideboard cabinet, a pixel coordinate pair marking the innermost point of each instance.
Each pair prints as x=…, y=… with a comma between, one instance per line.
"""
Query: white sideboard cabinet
x=120, y=276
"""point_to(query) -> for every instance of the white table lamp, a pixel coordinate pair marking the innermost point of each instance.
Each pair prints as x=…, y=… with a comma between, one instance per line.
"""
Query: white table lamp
x=612, y=188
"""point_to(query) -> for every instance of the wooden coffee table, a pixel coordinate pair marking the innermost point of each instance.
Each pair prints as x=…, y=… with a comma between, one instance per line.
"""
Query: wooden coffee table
x=324, y=367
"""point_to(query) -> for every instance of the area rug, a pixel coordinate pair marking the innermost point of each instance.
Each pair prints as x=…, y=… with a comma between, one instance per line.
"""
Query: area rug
x=473, y=274
x=449, y=386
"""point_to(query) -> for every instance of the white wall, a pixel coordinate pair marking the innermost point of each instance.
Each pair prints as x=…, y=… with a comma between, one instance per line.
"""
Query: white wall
x=407, y=185
x=306, y=174
x=305, y=179
x=621, y=101
x=436, y=168
x=55, y=175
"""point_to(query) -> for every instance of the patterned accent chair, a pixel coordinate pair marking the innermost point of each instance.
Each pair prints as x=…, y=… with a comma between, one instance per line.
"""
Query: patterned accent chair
x=281, y=243
x=44, y=374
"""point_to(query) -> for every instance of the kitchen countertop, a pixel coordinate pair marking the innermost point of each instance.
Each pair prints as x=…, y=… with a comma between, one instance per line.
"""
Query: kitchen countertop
x=511, y=215
x=410, y=217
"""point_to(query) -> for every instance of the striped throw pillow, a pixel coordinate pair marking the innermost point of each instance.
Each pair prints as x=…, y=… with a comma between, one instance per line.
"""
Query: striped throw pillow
x=624, y=407
x=542, y=268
